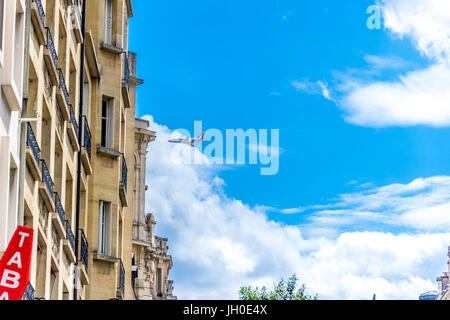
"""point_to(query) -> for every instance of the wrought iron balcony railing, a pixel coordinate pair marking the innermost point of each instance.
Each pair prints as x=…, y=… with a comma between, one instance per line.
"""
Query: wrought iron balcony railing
x=41, y=12
x=84, y=251
x=59, y=209
x=73, y=120
x=124, y=172
x=87, y=138
x=51, y=47
x=47, y=178
x=122, y=278
x=62, y=85
x=32, y=143
x=29, y=293
x=69, y=235
x=127, y=72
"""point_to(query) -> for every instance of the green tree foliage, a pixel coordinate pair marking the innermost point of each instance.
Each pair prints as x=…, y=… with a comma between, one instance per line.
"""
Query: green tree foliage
x=281, y=291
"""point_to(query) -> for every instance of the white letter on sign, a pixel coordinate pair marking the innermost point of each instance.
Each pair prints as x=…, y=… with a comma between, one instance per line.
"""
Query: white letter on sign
x=16, y=259
x=24, y=235
x=4, y=296
x=7, y=277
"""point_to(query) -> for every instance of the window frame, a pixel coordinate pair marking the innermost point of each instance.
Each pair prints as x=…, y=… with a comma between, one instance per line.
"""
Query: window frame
x=104, y=228
x=107, y=123
x=108, y=23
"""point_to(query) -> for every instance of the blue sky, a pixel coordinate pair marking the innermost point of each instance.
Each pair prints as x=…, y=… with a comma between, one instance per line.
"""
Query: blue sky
x=235, y=64
x=219, y=62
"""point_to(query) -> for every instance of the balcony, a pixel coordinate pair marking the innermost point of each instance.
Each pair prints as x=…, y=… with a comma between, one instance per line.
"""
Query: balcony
x=69, y=243
x=29, y=293
x=126, y=83
x=124, y=172
x=46, y=187
x=59, y=217
x=33, y=154
x=63, y=94
x=84, y=251
x=123, y=184
x=84, y=258
x=51, y=58
x=38, y=20
x=72, y=130
x=122, y=280
x=86, y=153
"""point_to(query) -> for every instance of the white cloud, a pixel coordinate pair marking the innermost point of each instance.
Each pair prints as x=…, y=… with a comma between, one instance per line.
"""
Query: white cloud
x=313, y=88
x=427, y=22
x=422, y=205
x=379, y=63
x=219, y=244
x=420, y=97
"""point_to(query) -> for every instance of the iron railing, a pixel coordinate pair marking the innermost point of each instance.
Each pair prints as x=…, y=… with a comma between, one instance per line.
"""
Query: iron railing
x=62, y=85
x=51, y=47
x=32, y=143
x=122, y=278
x=69, y=235
x=73, y=120
x=47, y=178
x=127, y=72
x=84, y=250
x=87, y=138
x=29, y=293
x=59, y=209
x=41, y=12
x=124, y=172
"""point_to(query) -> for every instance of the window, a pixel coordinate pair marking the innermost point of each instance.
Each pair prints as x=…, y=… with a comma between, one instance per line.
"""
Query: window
x=104, y=225
x=85, y=99
x=125, y=29
x=159, y=282
x=108, y=21
x=107, y=123
x=18, y=47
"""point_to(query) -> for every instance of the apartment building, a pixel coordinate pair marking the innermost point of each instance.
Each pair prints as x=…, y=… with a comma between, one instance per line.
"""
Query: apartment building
x=12, y=38
x=84, y=150
x=110, y=195
x=52, y=150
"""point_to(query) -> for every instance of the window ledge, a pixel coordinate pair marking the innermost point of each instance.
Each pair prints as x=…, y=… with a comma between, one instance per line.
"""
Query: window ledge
x=108, y=152
x=104, y=258
x=111, y=48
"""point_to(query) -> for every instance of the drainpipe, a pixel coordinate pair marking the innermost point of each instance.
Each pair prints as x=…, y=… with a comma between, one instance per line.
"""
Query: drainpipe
x=23, y=124
x=80, y=136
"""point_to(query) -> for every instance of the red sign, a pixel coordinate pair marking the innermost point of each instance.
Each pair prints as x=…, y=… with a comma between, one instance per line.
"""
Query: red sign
x=15, y=265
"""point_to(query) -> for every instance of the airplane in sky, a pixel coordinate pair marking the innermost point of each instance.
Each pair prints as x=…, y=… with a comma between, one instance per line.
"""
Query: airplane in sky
x=188, y=140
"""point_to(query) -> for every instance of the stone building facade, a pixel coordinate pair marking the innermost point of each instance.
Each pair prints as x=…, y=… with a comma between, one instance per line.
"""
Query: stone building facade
x=12, y=42
x=443, y=282
x=151, y=262
x=52, y=148
x=84, y=150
